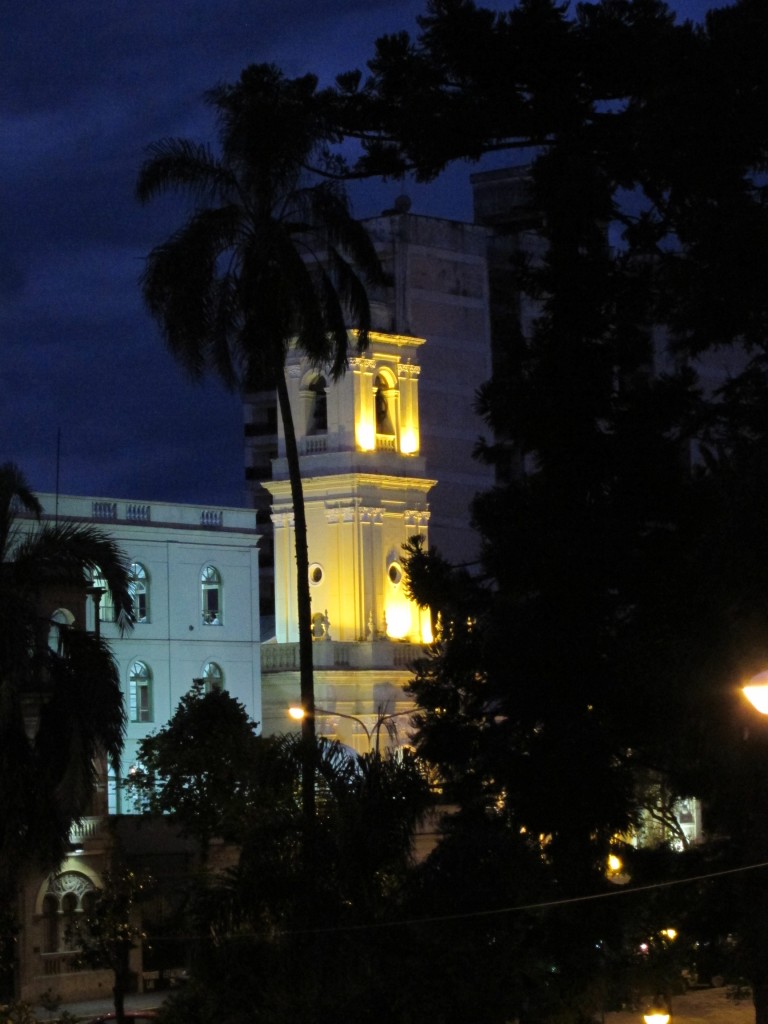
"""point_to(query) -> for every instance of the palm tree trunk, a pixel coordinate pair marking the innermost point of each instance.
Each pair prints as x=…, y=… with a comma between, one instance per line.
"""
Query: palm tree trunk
x=306, y=672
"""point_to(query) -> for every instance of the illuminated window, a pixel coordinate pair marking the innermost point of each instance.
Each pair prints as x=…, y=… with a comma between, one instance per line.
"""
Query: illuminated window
x=210, y=586
x=213, y=677
x=139, y=588
x=140, y=692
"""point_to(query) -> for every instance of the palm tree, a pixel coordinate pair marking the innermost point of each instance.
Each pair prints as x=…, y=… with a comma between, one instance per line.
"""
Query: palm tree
x=269, y=257
x=61, y=705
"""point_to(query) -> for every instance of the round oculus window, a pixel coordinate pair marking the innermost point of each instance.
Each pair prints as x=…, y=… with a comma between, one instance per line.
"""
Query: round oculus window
x=316, y=574
x=395, y=573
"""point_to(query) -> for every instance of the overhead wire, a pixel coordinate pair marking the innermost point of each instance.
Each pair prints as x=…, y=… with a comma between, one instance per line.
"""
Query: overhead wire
x=520, y=908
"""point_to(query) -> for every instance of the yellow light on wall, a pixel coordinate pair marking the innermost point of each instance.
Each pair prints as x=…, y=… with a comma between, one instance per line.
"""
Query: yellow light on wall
x=409, y=442
x=398, y=613
x=366, y=437
x=426, y=628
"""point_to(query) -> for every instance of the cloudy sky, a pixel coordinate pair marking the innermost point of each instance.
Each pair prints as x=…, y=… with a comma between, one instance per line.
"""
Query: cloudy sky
x=85, y=86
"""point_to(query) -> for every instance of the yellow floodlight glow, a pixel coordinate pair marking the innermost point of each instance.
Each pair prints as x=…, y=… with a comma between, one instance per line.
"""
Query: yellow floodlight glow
x=398, y=614
x=366, y=437
x=296, y=713
x=615, y=863
x=409, y=442
x=426, y=629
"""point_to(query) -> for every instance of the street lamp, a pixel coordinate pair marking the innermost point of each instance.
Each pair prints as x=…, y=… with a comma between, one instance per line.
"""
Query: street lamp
x=756, y=692
x=657, y=1012
x=297, y=714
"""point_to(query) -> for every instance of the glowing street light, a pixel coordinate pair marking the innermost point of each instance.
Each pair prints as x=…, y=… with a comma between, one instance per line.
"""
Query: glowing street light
x=756, y=692
x=297, y=714
x=657, y=1013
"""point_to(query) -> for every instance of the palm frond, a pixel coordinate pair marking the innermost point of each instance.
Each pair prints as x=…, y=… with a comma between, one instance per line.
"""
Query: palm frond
x=181, y=285
x=14, y=492
x=68, y=554
x=82, y=718
x=179, y=165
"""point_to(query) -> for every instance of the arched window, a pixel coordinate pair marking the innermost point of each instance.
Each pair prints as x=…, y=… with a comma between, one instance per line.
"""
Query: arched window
x=213, y=677
x=139, y=587
x=68, y=895
x=61, y=617
x=210, y=586
x=385, y=405
x=69, y=908
x=106, y=601
x=140, y=691
x=318, y=415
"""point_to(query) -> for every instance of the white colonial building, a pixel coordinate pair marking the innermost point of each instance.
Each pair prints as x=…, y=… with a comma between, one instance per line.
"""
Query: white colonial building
x=195, y=587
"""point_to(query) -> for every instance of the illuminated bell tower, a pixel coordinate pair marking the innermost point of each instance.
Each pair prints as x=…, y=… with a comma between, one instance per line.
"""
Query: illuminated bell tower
x=365, y=493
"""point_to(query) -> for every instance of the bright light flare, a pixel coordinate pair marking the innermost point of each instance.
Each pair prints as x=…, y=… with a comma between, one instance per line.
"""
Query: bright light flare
x=756, y=692
x=366, y=437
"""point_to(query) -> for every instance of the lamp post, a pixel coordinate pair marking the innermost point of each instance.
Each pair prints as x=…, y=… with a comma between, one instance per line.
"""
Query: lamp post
x=297, y=714
x=756, y=692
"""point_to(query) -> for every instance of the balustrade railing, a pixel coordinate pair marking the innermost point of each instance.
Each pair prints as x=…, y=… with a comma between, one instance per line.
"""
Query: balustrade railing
x=314, y=444
x=86, y=828
x=333, y=654
x=104, y=510
x=58, y=963
x=137, y=513
x=211, y=517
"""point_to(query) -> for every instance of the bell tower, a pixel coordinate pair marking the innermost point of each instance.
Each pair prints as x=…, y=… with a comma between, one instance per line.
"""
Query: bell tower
x=365, y=493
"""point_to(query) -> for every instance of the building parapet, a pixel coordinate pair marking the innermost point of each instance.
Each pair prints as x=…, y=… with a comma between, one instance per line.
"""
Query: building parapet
x=329, y=654
x=107, y=510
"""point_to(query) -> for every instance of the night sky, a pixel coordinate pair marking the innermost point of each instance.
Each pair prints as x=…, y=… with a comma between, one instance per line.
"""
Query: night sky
x=85, y=86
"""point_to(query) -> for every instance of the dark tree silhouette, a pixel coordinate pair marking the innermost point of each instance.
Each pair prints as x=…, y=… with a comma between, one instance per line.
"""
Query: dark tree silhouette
x=270, y=257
